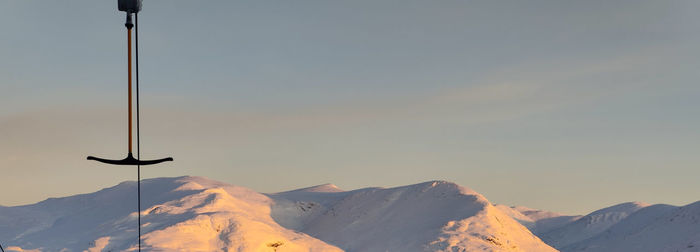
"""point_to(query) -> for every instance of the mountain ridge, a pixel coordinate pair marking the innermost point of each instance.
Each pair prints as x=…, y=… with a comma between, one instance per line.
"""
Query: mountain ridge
x=677, y=227
x=199, y=214
x=190, y=213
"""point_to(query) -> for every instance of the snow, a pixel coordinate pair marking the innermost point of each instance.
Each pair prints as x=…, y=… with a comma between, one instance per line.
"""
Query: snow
x=436, y=215
x=198, y=214
x=538, y=221
x=653, y=228
x=186, y=214
x=18, y=249
x=490, y=230
x=590, y=225
x=100, y=244
x=627, y=227
x=325, y=188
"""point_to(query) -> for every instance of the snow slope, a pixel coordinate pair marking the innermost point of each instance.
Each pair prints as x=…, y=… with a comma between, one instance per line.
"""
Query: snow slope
x=590, y=225
x=197, y=214
x=179, y=214
x=628, y=227
x=431, y=216
x=538, y=221
x=653, y=228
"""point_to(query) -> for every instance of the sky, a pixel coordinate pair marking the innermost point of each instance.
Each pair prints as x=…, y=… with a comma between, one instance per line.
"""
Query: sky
x=568, y=106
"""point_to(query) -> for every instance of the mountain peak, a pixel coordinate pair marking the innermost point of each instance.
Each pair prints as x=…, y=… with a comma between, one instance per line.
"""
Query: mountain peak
x=445, y=186
x=627, y=207
x=323, y=188
x=328, y=187
x=591, y=225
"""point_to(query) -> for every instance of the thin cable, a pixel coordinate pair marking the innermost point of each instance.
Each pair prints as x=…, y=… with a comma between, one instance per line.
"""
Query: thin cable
x=2, y=248
x=138, y=131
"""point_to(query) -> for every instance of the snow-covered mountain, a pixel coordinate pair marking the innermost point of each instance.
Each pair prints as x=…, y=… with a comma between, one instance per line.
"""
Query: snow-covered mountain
x=538, y=221
x=179, y=214
x=590, y=225
x=653, y=228
x=432, y=216
x=197, y=214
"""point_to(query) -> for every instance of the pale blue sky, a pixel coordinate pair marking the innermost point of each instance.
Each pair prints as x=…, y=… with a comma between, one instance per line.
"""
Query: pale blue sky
x=562, y=105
